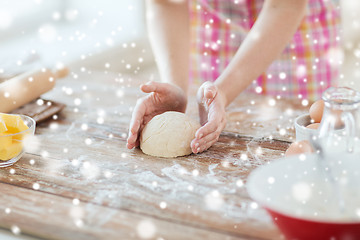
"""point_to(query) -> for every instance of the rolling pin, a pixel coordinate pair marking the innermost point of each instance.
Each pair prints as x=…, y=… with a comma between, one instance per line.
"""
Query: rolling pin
x=26, y=87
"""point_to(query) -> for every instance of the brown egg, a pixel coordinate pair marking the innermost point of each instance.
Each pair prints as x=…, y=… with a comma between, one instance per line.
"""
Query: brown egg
x=299, y=148
x=316, y=110
x=313, y=125
x=339, y=123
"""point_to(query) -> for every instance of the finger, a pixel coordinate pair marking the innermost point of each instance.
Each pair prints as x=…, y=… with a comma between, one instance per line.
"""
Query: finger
x=133, y=133
x=134, y=143
x=135, y=139
x=137, y=117
x=215, y=117
x=208, y=138
x=210, y=93
x=206, y=91
x=147, y=88
x=208, y=128
x=206, y=146
x=135, y=123
x=137, y=143
x=154, y=87
x=202, y=114
x=200, y=92
x=199, y=143
x=208, y=134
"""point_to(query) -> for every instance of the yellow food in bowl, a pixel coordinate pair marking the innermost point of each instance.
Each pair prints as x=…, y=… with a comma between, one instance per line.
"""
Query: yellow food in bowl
x=11, y=138
x=2, y=126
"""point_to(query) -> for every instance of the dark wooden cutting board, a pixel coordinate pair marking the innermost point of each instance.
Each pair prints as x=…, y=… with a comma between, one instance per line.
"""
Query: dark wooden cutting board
x=40, y=109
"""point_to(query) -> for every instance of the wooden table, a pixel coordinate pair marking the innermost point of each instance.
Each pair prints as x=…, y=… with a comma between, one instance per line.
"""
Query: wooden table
x=80, y=182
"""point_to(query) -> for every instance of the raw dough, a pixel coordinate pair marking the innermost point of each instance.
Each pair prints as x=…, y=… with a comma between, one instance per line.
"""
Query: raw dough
x=168, y=135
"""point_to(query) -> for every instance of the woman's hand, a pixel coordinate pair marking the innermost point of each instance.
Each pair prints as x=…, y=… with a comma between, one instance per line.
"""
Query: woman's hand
x=162, y=97
x=212, y=117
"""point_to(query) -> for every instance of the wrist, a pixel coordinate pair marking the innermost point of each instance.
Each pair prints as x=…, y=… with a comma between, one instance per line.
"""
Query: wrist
x=221, y=95
x=231, y=85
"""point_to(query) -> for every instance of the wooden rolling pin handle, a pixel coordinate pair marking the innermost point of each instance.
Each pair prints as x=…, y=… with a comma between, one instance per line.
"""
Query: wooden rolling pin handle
x=61, y=71
x=26, y=87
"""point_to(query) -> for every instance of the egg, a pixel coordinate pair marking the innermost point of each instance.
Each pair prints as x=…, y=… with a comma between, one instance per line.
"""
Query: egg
x=316, y=110
x=313, y=125
x=339, y=122
x=299, y=148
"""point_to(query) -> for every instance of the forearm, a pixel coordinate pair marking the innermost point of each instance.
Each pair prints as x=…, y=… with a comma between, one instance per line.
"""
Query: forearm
x=168, y=27
x=274, y=28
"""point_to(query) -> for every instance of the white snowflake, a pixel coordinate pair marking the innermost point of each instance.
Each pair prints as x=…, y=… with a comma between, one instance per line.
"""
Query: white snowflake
x=146, y=229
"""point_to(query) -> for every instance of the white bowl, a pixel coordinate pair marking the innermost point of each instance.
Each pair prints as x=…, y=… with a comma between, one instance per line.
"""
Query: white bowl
x=303, y=203
x=302, y=132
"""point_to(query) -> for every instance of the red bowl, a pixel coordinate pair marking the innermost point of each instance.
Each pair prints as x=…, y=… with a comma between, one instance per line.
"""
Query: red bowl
x=296, y=228
x=310, y=217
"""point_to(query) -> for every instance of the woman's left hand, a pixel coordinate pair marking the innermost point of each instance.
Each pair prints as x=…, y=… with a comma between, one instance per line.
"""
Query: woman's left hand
x=212, y=104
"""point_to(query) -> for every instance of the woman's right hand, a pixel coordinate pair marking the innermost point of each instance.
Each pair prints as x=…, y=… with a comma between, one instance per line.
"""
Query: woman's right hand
x=162, y=97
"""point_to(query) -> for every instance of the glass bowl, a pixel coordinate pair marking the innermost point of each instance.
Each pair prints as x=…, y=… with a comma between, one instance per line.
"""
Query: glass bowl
x=15, y=143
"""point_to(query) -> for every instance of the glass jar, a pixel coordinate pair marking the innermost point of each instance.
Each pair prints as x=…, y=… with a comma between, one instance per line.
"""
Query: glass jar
x=338, y=147
x=339, y=130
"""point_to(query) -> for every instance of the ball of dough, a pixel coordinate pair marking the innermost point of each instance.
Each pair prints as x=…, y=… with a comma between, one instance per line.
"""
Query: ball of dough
x=168, y=135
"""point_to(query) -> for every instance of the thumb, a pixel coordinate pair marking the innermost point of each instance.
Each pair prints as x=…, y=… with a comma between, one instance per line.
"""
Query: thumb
x=210, y=92
x=158, y=87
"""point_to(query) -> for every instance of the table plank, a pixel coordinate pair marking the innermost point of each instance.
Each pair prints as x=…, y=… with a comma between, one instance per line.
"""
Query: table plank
x=82, y=155
x=85, y=178
x=62, y=219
